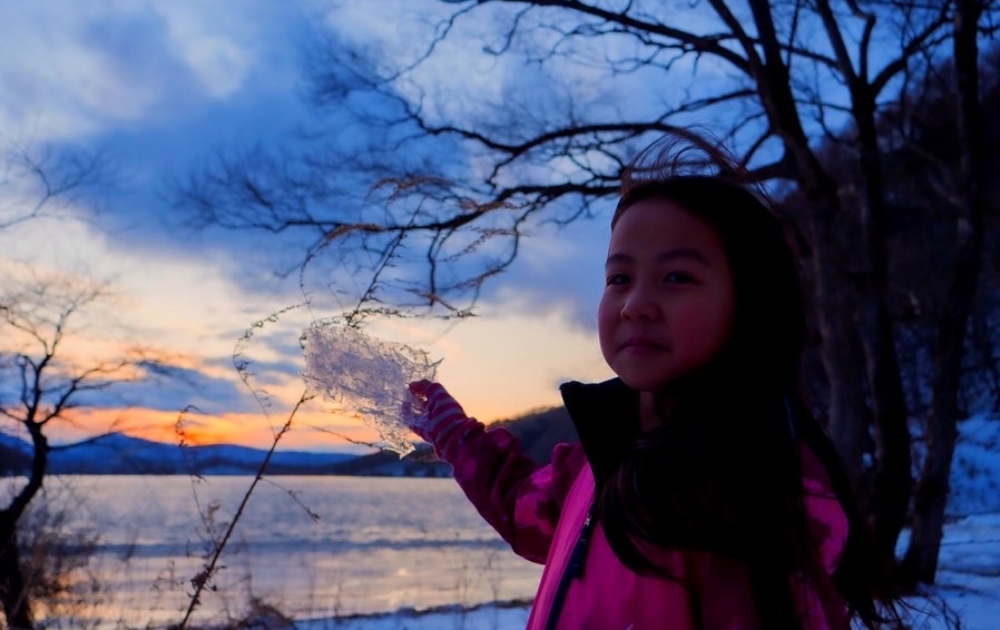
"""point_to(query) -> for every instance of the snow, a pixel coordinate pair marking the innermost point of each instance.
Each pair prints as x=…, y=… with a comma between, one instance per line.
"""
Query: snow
x=489, y=617
x=975, y=471
x=968, y=579
x=966, y=596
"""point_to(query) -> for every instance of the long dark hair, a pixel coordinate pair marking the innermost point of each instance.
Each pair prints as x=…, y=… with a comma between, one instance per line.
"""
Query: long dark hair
x=723, y=473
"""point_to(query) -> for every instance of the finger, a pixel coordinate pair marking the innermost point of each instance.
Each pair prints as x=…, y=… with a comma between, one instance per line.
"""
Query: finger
x=434, y=393
x=445, y=409
x=438, y=398
x=419, y=388
x=437, y=392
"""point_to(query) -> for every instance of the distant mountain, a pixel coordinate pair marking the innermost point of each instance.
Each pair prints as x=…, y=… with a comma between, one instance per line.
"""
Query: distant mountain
x=15, y=455
x=539, y=431
x=420, y=463
x=120, y=454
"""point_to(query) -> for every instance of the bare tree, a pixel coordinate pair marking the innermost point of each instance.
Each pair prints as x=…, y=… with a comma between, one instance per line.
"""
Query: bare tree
x=37, y=384
x=920, y=562
x=42, y=381
x=785, y=74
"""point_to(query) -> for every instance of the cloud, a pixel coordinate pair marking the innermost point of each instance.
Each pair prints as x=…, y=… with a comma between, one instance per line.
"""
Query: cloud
x=92, y=64
x=160, y=386
x=167, y=85
x=559, y=269
x=155, y=385
x=77, y=67
x=215, y=47
x=168, y=387
x=161, y=88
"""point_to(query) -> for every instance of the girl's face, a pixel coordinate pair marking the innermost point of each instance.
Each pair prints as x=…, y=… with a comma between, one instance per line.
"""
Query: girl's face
x=669, y=298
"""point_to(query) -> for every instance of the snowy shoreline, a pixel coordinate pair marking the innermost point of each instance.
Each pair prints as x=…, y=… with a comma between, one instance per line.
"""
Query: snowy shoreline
x=507, y=615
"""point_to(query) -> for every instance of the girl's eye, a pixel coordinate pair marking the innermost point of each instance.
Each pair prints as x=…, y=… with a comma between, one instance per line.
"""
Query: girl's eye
x=678, y=277
x=617, y=278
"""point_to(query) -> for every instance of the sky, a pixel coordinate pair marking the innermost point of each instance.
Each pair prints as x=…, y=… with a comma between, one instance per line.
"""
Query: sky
x=159, y=89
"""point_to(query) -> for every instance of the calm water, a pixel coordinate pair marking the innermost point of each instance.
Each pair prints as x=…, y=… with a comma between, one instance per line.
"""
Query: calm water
x=315, y=546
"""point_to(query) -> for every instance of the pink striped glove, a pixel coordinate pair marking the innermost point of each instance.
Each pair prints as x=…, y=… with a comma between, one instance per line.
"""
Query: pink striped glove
x=432, y=413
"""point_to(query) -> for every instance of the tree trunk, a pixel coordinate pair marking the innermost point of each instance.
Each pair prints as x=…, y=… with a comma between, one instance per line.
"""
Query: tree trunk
x=835, y=304
x=840, y=353
x=920, y=561
x=14, y=595
x=850, y=313
x=13, y=591
x=931, y=493
x=892, y=482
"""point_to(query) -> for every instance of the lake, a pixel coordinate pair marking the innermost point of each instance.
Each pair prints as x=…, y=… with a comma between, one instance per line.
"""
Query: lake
x=316, y=547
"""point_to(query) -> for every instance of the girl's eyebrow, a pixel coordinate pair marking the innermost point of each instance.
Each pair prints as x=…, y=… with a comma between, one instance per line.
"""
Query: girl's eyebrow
x=680, y=253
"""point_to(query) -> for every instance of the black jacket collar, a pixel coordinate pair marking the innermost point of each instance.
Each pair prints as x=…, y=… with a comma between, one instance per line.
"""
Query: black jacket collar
x=606, y=417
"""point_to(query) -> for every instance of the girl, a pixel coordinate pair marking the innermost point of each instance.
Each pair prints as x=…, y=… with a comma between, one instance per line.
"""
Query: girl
x=702, y=494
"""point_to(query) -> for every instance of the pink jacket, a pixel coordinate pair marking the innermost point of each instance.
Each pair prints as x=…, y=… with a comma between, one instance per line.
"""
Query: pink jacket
x=540, y=511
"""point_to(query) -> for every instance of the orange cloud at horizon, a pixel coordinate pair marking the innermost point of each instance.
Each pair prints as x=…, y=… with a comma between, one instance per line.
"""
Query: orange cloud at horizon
x=309, y=430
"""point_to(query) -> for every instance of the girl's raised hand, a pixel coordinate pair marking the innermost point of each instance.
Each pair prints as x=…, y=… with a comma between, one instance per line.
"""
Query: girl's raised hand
x=431, y=412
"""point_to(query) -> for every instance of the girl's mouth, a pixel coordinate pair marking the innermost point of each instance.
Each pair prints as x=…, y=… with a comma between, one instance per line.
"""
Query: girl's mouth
x=640, y=344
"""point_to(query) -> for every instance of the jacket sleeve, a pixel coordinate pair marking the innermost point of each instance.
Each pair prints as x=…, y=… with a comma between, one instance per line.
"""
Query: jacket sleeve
x=820, y=604
x=521, y=499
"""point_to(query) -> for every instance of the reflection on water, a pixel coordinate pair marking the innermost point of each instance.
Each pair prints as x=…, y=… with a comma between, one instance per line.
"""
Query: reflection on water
x=313, y=546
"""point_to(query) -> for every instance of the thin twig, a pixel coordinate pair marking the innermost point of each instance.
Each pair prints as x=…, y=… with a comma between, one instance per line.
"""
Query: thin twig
x=204, y=577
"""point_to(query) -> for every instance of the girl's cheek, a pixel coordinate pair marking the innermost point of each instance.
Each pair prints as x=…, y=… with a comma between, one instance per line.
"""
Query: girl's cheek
x=607, y=319
x=603, y=307
x=711, y=328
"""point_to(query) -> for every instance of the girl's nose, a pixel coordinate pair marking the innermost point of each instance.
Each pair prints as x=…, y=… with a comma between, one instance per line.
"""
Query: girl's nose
x=640, y=305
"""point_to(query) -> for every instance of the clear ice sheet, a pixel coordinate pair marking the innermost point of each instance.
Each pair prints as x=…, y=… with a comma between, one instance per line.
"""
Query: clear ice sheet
x=365, y=376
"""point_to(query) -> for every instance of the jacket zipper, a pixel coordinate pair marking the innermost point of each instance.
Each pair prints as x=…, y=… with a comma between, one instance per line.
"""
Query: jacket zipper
x=574, y=569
